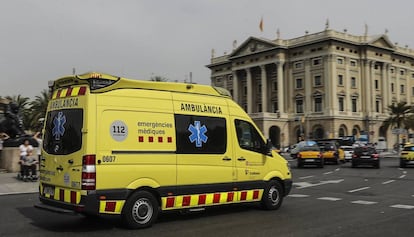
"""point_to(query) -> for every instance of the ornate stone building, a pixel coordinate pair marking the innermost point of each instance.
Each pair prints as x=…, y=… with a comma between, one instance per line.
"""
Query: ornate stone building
x=324, y=85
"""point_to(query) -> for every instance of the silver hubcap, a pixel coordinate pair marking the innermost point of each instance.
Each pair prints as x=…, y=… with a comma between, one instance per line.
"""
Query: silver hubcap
x=274, y=196
x=142, y=211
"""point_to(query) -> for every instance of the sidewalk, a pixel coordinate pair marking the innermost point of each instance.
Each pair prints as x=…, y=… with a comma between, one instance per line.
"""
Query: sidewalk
x=9, y=184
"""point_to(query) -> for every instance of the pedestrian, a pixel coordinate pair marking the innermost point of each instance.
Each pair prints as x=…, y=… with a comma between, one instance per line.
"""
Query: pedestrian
x=3, y=137
x=38, y=137
x=27, y=163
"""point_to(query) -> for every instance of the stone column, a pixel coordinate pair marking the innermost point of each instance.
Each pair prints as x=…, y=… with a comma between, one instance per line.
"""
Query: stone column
x=264, y=88
x=385, y=86
x=366, y=84
x=397, y=84
x=333, y=82
x=280, y=87
x=235, y=87
x=372, y=93
x=249, y=91
x=347, y=85
x=307, y=81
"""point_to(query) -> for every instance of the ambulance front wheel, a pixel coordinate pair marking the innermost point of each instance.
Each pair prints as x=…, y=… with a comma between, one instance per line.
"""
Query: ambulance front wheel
x=140, y=210
x=273, y=196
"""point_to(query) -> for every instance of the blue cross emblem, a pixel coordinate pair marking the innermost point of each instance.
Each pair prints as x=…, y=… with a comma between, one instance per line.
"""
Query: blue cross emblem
x=58, y=130
x=197, y=134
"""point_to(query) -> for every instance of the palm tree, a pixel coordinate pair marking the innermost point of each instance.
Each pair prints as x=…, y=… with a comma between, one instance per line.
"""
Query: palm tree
x=399, y=117
x=38, y=110
x=158, y=78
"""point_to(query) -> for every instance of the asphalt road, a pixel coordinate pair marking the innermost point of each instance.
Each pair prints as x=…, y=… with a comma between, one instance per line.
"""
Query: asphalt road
x=334, y=201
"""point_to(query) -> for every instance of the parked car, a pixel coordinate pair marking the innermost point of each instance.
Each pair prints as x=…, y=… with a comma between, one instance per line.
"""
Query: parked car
x=309, y=153
x=348, y=152
x=407, y=155
x=365, y=155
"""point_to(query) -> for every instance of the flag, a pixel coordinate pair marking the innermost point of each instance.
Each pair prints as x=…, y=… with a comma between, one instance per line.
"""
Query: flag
x=261, y=24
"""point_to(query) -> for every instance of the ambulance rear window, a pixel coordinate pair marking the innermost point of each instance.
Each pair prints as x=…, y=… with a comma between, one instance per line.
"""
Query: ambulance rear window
x=200, y=134
x=63, y=131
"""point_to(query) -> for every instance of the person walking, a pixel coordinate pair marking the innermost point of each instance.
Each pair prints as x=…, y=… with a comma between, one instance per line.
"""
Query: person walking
x=3, y=137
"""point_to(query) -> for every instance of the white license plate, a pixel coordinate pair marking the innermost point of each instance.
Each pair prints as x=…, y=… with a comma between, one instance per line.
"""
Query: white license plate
x=410, y=162
x=309, y=160
x=365, y=157
x=49, y=190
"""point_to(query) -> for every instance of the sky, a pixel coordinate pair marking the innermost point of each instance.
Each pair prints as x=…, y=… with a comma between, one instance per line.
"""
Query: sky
x=138, y=39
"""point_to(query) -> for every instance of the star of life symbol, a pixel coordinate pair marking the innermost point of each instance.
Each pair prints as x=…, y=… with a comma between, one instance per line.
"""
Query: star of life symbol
x=58, y=130
x=197, y=134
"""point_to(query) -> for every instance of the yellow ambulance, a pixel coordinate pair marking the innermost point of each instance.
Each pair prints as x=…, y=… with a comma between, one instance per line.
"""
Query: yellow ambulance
x=133, y=148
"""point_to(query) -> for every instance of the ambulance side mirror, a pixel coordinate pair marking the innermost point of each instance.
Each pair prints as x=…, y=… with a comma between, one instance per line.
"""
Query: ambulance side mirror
x=267, y=150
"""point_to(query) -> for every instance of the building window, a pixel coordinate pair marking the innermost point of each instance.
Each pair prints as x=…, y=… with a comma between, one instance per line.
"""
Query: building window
x=318, y=104
x=377, y=106
x=340, y=60
x=402, y=72
x=299, y=83
x=341, y=104
x=259, y=107
x=299, y=106
x=259, y=89
x=354, y=105
x=402, y=89
x=353, y=82
x=412, y=90
x=392, y=87
x=231, y=92
x=340, y=80
x=218, y=80
x=353, y=63
x=316, y=61
x=245, y=90
x=392, y=70
x=275, y=106
x=274, y=85
x=298, y=65
x=376, y=84
x=317, y=80
x=412, y=75
x=376, y=66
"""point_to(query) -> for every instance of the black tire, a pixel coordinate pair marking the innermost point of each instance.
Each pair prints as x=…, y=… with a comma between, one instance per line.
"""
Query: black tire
x=353, y=165
x=402, y=164
x=322, y=163
x=377, y=165
x=272, y=196
x=299, y=164
x=140, y=210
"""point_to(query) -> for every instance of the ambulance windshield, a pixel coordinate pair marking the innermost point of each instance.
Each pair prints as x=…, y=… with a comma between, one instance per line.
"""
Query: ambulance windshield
x=63, y=131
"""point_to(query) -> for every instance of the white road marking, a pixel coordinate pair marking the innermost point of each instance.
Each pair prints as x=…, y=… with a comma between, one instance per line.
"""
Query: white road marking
x=358, y=189
x=404, y=172
x=388, y=182
x=330, y=199
x=337, y=169
x=330, y=172
x=307, y=177
x=364, y=202
x=402, y=206
x=402, y=176
x=307, y=184
x=298, y=195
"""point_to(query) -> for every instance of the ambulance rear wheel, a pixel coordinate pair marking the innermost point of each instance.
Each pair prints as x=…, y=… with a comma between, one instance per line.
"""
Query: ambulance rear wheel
x=140, y=210
x=273, y=196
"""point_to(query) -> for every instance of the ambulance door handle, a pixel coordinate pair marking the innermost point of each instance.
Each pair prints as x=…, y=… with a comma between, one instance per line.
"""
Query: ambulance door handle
x=241, y=159
x=70, y=161
x=227, y=158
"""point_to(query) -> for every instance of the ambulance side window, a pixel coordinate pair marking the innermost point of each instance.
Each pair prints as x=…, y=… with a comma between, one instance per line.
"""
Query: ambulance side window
x=200, y=134
x=248, y=137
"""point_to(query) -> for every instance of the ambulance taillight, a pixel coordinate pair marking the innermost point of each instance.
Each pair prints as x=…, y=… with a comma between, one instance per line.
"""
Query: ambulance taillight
x=88, y=172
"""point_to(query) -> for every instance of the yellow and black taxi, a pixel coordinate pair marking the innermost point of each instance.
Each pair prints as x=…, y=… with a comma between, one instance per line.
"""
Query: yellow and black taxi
x=309, y=153
x=407, y=156
x=331, y=152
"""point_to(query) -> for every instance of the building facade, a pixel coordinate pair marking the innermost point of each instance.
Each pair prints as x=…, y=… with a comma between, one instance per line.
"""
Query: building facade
x=324, y=85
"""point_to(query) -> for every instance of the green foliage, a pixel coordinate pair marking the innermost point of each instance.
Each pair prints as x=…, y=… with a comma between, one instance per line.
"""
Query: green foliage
x=158, y=78
x=33, y=112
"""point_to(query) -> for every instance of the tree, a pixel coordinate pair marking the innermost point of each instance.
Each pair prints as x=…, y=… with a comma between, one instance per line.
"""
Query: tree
x=399, y=117
x=38, y=110
x=158, y=78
